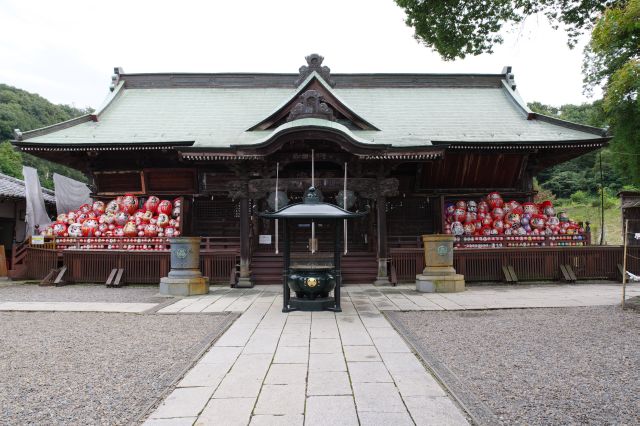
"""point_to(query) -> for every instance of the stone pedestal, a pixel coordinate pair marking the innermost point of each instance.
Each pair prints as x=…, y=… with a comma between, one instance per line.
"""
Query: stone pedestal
x=440, y=283
x=383, y=273
x=185, y=278
x=244, y=280
x=439, y=275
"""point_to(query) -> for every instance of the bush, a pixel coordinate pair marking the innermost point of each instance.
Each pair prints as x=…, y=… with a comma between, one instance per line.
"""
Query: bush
x=580, y=197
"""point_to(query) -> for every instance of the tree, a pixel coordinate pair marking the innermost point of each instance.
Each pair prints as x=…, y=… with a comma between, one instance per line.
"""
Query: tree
x=10, y=160
x=581, y=173
x=457, y=28
x=22, y=110
x=612, y=61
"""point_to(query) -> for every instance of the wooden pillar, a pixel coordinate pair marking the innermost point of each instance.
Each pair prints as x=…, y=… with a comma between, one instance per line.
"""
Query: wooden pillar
x=383, y=273
x=245, y=242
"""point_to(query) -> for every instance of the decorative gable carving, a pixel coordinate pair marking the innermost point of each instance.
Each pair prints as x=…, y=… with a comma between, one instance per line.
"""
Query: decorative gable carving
x=310, y=105
x=314, y=63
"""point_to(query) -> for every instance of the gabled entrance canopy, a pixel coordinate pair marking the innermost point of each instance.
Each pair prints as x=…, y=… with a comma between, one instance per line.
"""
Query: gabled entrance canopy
x=314, y=99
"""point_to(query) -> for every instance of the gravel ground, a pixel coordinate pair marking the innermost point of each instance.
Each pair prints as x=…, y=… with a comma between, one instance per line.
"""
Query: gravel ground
x=540, y=366
x=93, y=368
x=20, y=292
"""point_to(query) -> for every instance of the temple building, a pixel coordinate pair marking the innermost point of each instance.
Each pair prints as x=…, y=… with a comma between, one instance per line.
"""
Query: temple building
x=409, y=143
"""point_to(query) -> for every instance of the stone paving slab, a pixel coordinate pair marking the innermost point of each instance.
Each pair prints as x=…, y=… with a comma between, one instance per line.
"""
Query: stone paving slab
x=275, y=368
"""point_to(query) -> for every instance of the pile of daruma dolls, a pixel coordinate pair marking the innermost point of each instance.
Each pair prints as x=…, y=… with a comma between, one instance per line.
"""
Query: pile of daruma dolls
x=122, y=217
x=492, y=219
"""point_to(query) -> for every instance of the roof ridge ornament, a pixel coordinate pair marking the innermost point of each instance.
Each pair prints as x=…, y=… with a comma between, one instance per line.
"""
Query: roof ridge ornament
x=310, y=105
x=314, y=63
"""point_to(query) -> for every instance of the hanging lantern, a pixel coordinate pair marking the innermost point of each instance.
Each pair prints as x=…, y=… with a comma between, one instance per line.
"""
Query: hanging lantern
x=283, y=200
x=351, y=199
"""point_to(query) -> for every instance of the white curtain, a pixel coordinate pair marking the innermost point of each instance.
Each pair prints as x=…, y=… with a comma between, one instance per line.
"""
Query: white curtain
x=70, y=193
x=36, y=212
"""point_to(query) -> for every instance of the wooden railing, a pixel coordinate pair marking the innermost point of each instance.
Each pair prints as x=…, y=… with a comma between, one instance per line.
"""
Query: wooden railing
x=94, y=266
x=218, y=266
x=502, y=241
x=220, y=243
x=112, y=243
x=38, y=263
x=529, y=264
x=407, y=262
x=400, y=241
x=144, y=260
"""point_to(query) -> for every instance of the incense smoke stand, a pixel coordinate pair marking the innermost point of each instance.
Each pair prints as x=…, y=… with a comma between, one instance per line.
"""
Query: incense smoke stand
x=312, y=279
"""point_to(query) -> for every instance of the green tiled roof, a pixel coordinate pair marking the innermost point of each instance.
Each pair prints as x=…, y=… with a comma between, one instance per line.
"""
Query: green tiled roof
x=219, y=117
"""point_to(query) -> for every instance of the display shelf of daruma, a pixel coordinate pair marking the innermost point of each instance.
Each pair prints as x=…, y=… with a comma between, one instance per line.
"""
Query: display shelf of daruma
x=124, y=223
x=493, y=223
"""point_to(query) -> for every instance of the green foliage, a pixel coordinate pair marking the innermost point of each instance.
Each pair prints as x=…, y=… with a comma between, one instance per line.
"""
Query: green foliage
x=581, y=173
x=542, y=194
x=613, y=61
x=27, y=111
x=610, y=199
x=457, y=28
x=580, y=197
x=10, y=160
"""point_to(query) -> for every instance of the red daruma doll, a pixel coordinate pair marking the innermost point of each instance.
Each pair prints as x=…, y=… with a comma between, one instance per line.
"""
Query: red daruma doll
x=152, y=204
x=129, y=204
x=494, y=200
x=459, y=215
x=537, y=222
x=165, y=207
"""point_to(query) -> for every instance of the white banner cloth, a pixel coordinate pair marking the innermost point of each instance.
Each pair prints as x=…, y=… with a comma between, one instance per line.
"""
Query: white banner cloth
x=36, y=213
x=70, y=193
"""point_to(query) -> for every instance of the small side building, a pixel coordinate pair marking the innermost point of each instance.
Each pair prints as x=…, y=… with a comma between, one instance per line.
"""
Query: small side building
x=630, y=206
x=13, y=207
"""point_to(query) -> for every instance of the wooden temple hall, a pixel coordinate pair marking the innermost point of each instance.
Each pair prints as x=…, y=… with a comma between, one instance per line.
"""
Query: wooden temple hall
x=410, y=143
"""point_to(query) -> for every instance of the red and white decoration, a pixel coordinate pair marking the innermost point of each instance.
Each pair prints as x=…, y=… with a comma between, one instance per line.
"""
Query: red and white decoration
x=491, y=221
x=123, y=217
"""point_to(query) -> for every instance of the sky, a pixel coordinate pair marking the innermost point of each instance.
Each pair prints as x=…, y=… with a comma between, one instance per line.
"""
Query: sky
x=65, y=50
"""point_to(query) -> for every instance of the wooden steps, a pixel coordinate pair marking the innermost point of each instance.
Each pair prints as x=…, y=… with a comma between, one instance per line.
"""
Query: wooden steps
x=357, y=268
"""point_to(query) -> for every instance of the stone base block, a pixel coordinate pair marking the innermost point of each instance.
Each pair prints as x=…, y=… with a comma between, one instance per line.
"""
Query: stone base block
x=244, y=282
x=382, y=281
x=440, y=283
x=439, y=270
x=184, y=286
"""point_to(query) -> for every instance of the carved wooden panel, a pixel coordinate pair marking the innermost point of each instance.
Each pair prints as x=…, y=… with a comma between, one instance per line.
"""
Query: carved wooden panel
x=173, y=181
x=119, y=182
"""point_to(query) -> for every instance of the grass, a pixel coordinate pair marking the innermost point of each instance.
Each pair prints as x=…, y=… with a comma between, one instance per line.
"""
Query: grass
x=586, y=212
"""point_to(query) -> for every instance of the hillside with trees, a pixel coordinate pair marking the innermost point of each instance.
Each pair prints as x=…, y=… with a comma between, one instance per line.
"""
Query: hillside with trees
x=22, y=110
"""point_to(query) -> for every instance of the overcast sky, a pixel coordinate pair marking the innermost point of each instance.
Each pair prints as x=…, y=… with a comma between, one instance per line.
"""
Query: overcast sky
x=65, y=50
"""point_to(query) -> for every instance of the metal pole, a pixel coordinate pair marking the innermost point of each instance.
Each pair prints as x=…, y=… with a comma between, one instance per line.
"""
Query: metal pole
x=601, y=203
x=285, y=272
x=624, y=262
x=344, y=204
x=337, y=268
x=313, y=223
x=277, y=176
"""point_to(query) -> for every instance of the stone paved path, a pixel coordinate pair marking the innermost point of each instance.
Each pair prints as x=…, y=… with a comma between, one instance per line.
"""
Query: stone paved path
x=307, y=368
x=348, y=368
